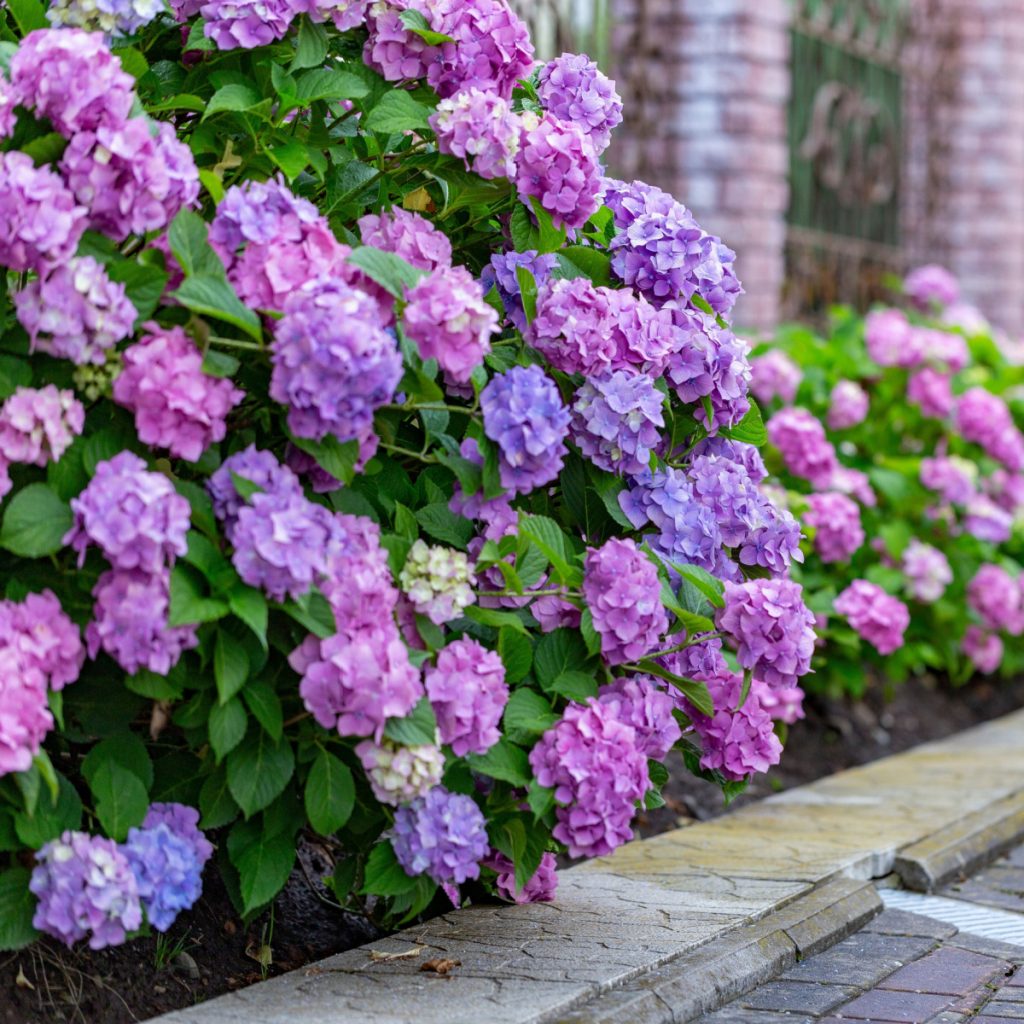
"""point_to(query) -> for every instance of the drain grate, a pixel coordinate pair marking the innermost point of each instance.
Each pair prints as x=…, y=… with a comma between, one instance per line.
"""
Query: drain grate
x=1001, y=925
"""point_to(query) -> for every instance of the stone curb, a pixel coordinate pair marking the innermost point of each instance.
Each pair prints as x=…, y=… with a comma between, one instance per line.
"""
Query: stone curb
x=673, y=926
x=963, y=847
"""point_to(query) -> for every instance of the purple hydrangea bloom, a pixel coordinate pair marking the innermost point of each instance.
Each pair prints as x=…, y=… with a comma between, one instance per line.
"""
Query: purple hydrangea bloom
x=557, y=165
x=623, y=592
x=114, y=18
x=75, y=312
x=927, y=570
x=497, y=514
x=247, y=23
x=479, y=128
x=176, y=405
x=358, y=586
x=930, y=390
x=283, y=543
x=952, y=477
x=805, y=449
x=398, y=775
x=355, y=680
x=573, y=89
x=702, y=659
x=258, y=467
x=447, y=317
x=874, y=615
x=540, y=888
x=984, y=649
x=747, y=455
x=40, y=220
x=616, y=421
x=468, y=692
x=71, y=78
x=943, y=348
x=500, y=273
x=345, y=14
x=996, y=598
x=772, y=628
x=135, y=517
x=848, y=405
x=130, y=622
x=334, y=365
x=38, y=425
x=525, y=417
x=642, y=703
x=785, y=705
x=598, y=771
x=132, y=177
x=985, y=520
x=930, y=286
x=44, y=638
x=985, y=420
x=167, y=872
x=890, y=339
x=261, y=212
x=183, y=821
x=9, y=101
x=85, y=887
x=581, y=328
x=408, y=235
x=25, y=717
x=664, y=253
x=836, y=522
x=774, y=375
x=442, y=834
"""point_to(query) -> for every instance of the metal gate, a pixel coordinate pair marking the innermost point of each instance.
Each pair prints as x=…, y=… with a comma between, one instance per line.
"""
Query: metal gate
x=845, y=152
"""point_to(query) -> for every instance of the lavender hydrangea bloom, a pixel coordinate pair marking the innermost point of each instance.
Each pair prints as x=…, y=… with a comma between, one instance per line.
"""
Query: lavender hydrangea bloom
x=438, y=581
x=573, y=89
x=985, y=419
x=848, y=405
x=333, y=364
x=176, y=405
x=135, y=517
x=930, y=286
x=480, y=129
x=38, y=425
x=558, y=166
x=130, y=622
x=261, y=212
x=345, y=14
x=183, y=821
x=701, y=659
x=874, y=615
x=71, y=78
x=930, y=390
x=927, y=570
x=500, y=273
x=40, y=220
x=247, y=23
x=167, y=873
x=39, y=632
x=772, y=628
x=890, y=339
x=997, y=599
x=985, y=520
x=616, y=421
x=85, y=887
x=836, y=521
x=805, y=449
x=408, y=235
x=398, y=775
x=598, y=771
x=447, y=317
x=133, y=177
x=952, y=477
x=747, y=455
x=358, y=586
x=75, y=312
x=9, y=101
x=114, y=18
x=774, y=375
x=524, y=415
x=258, y=467
x=540, y=888
x=623, y=592
x=25, y=717
x=441, y=834
x=984, y=649
x=468, y=693
x=643, y=704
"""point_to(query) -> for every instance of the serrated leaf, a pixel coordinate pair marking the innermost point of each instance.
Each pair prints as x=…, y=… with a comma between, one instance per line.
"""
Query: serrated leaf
x=527, y=711
x=333, y=456
x=234, y=97
x=527, y=293
x=396, y=112
x=250, y=606
x=696, y=692
x=125, y=749
x=416, y=728
x=49, y=821
x=227, y=727
x=311, y=45
x=558, y=652
x=588, y=262
x=330, y=793
x=444, y=526
x=189, y=605
x=35, y=522
x=258, y=770
x=187, y=237
x=549, y=537
x=121, y=799
x=386, y=268
x=230, y=667
x=750, y=429
x=496, y=618
x=212, y=295
x=504, y=761
x=383, y=875
x=262, y=700
x=29, y=14
x=17, y=907
x=575, y=686
x=263, y=865
x=516, y=652
x=329, y=84
x=415, y=22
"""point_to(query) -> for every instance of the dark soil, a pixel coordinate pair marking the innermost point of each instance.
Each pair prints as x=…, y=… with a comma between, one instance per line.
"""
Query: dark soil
x=210, y=951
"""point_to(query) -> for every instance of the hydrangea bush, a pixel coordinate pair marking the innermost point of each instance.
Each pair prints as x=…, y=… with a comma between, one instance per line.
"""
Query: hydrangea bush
x=895, y=442
x=373, y=464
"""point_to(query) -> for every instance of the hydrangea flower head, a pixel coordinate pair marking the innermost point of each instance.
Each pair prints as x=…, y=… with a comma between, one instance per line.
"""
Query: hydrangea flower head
x=37, y=425
x=183, y=821
x=952, y=477
x=848, y=405
x=114, y=18
x=260, y=468
x=643, y=704
x=408, y=235
x=573, y=89
x=500, y=273
x=985, y=420
x=805, y=449
x=397, y=774
x=85, y=887
x=176, y=405
x=836, y=521
x=623, y=592
x=524, y=415
x=930, y=390
x=540, y=888
x=774, y=375
x=468, y=693
x=438, y=581
x=931, y=286
x=876, y=616
x=996, y=598
x=25, y=717
x=344, y=14
x=890, y=339
x=167, y=872
x=984, y=649
x=480, y=129
x=247, y=24
x=39, y=631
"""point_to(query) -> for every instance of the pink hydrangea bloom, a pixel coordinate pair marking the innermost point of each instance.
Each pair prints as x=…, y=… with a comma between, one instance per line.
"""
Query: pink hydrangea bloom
x=996, y=597
x=952, y=477
x=984, y=649
x=848, y=405
x=176, y=405
x=946, y=349
x=408, y=235
x=890, y=339
x=38, y=629
x=25, y=717
x=930, y=390
x=774, y=375
x=574, y=89
x=927, y=570
x=805, y=449
x=785, y=705
x=447, y=317
x=642, y=703
x=247, y=23
x=985, y=419
x=38, y=425
x=468, y=692
x=836, y=520
x=540, y=888
x=854, y=483
x=345, y=14
x=358, y=584
x=931, y=285
x=479, y=128
x=874, y=615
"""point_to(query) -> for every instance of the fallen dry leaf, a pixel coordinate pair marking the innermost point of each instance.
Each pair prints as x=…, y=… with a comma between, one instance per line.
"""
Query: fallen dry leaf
x=379, y=956
x=263, y=955
x=22, y=982
x=442, y=965
x=419, y=200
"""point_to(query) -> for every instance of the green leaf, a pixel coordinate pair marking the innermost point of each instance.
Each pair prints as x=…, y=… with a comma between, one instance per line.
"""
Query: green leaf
x=417, y=24
x=523, y=843
x=291, y=156
x=503, y=761
x=144, y=285
x=588, y=262
x=258, y=770
x=125, y=749
x=17, y=907
x=444, y=526
x=264, y=703
x=50, y=820
x=383, y=875
x=193, y=253
x=230, y=667
x=528, y=293
x=121, y=799
x=35, y=522
x=347, y=182
x=311, y=45
x=551, y=238
x=14, y=373
x=189, y=605
x=212, y=295
x=416, y=728
x=29, y=14
x=707, y=584
x=216, y=803
x=496, y=618
x=540, y=798
x=263, y=864
x=396, y=112
x=577, y=686
x=750, y=429
x=548, y=536
x=316, y=616
x=516, y=651
x=695, y=691
x=558, y=652
x=329, y=84
x=524, y=234
x=527, y=711
x=45, y=149
x=693, y=624
x=232, y=97
x=227, y=727
x=590, y=635
x=330, y=793
x=387, y=269
x=250, y=606
x=335, y=457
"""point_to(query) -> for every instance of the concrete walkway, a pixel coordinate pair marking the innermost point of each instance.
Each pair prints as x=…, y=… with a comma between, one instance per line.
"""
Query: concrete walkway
x=675, y=926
